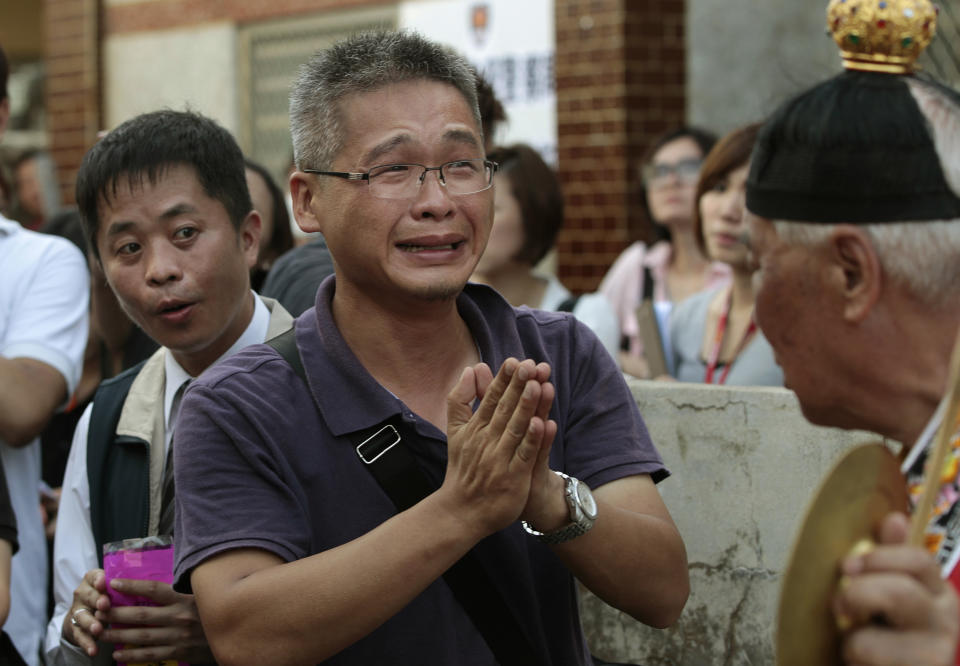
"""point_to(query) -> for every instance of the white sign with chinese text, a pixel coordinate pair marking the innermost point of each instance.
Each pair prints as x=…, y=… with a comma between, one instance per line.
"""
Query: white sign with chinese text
x=512, y=42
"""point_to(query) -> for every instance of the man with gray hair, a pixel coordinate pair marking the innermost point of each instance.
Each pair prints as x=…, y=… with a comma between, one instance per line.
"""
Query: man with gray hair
x=854, y=205
x=397, y=503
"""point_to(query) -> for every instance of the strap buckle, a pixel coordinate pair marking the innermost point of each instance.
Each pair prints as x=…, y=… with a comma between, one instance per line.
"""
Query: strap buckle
x=378, y=443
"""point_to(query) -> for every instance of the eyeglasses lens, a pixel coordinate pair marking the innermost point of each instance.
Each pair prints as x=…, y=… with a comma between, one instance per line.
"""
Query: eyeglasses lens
x=686, y=170
x=403, y=181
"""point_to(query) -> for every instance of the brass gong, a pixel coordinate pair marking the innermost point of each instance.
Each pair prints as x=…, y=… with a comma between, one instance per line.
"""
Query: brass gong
x=863, y=487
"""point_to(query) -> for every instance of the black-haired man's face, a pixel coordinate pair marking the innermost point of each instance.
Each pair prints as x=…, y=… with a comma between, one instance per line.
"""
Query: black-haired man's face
x=178, y=266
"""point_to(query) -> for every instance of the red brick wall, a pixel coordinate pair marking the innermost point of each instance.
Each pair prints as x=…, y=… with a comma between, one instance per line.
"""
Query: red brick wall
x=620, y=67
x=71, y=46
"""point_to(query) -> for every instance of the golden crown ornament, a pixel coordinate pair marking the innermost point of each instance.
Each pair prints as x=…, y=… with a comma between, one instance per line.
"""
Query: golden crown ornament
x=882, y=35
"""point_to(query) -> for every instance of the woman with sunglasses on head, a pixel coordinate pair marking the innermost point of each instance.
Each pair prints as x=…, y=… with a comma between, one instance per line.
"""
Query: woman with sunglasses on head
x=713, y=334
x=528, y=213
x=674, y=267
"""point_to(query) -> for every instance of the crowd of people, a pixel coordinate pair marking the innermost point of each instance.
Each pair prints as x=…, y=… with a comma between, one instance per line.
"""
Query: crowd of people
x=438, y=439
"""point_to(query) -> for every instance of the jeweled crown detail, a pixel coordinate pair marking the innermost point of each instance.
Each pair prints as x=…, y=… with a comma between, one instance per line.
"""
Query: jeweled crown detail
x=882, y=35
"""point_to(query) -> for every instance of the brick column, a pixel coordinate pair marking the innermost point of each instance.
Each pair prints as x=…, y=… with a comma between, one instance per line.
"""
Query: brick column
x=72, y=55
x=620, y=68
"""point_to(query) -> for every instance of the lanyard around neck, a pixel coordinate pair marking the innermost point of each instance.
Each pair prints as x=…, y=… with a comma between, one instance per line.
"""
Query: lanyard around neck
x=714, y=358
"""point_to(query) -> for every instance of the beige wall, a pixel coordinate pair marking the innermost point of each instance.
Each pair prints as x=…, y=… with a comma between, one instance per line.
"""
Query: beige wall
x=191, y=67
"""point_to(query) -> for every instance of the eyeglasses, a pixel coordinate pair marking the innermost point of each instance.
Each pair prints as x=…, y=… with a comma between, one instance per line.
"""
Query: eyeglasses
x=403, y=181
x=686, y=170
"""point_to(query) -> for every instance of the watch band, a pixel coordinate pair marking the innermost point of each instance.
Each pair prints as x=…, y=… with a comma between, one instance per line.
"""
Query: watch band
x=581, y=517
x=565, y=533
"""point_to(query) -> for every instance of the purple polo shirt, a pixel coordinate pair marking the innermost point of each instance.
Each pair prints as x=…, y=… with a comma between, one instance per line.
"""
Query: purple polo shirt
x=260, y=466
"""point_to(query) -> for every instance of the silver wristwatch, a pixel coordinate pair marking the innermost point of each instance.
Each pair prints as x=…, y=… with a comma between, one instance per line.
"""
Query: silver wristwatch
x=583, y=512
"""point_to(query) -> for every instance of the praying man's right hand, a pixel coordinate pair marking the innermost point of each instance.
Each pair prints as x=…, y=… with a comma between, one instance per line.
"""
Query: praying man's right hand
x=492, y=453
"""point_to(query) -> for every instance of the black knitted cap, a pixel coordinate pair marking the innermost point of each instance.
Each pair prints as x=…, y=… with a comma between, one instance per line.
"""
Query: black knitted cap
x=853, y=149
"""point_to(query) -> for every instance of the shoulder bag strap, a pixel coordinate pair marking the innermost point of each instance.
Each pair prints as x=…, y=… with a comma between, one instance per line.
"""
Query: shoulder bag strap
x=647, y=284
x=383, y=453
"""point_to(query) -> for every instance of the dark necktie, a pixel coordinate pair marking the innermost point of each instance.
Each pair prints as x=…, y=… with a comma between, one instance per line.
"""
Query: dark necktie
x=166, y=498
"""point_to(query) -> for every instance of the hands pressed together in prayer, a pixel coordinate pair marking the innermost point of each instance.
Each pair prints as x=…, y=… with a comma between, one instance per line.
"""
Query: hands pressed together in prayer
x=170, y=630
x=498, y=468
x=901, y=610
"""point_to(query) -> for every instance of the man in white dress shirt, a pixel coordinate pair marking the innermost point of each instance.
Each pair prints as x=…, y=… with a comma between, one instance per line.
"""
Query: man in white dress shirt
x=44, y=287
x=166, y=209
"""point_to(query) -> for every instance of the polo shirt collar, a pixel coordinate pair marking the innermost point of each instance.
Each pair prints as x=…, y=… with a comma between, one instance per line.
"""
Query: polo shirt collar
x=358, y=402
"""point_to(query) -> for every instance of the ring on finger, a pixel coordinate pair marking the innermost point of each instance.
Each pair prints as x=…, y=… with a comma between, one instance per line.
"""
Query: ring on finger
x=73, y=618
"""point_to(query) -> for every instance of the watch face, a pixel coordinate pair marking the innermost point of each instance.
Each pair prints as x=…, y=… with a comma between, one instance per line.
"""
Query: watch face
x=587, y=503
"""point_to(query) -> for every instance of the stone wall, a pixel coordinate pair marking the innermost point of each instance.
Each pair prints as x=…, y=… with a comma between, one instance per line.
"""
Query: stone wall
x=745, y=464
x=745, y=57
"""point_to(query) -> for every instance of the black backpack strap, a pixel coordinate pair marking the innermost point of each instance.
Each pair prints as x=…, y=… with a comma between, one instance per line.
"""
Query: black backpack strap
x=382, y=451
x=286, y=345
